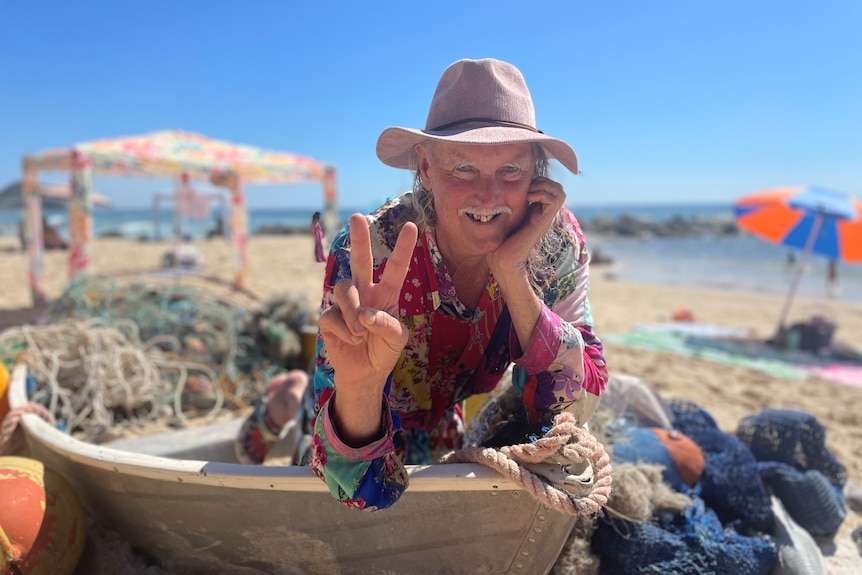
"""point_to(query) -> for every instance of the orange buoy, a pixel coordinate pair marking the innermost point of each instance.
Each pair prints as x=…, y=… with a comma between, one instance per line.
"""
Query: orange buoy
x=683, y=314
x=42, y=529
x=4, y=391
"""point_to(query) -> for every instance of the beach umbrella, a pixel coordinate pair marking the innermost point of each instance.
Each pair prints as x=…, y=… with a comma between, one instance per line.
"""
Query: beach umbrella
x=815, y=220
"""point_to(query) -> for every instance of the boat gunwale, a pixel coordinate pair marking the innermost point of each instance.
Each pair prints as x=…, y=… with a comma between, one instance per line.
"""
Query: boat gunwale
x=423, y=478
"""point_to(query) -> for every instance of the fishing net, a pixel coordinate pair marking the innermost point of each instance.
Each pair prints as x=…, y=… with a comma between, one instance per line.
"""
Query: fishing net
x=793, y=437
x=807, y=496
x=730, y=484
x=109, y=355
x=694, y=541
x=718, y=526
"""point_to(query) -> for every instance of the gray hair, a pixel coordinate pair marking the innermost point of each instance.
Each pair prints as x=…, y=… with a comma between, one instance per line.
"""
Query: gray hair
x=539, y=266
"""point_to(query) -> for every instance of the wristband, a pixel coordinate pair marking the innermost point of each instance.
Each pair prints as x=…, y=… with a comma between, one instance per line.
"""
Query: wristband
x=268, y=427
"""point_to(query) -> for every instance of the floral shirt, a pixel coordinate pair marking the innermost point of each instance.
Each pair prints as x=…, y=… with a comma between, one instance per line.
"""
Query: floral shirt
x=453, y=352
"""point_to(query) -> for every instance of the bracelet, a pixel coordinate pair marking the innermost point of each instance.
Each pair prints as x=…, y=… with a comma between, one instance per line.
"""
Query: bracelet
x=268, y=428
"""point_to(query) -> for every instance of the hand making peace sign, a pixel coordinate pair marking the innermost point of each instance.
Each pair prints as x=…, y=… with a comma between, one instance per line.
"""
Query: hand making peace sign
x=362, y=330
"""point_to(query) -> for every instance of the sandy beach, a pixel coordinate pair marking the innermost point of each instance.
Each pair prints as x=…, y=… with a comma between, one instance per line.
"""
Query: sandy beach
x=728, y=392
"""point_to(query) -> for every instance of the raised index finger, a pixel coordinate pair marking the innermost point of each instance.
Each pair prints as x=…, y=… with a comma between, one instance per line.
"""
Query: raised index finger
x=361, y=263
x=399, y=262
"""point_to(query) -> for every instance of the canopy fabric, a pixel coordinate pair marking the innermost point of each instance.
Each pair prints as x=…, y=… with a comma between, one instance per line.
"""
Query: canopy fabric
x=174, y=154
x=170, y=153
x=54, y=196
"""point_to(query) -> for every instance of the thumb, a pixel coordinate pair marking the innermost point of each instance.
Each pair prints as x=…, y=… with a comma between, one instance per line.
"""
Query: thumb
x=382, y=324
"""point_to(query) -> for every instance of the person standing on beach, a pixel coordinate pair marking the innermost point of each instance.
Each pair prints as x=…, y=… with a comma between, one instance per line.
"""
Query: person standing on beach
x=432, y=297
x=832, y=288
x=319, y=238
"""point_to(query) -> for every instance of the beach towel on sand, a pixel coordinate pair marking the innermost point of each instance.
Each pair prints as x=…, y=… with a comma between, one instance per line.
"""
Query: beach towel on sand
x=711, y=343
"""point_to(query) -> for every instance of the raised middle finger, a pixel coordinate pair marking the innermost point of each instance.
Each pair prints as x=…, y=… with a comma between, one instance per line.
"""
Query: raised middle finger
x=398, y=263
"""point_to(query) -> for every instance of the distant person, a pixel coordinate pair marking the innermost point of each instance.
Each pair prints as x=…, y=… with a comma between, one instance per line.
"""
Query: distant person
x=217, y=230
x=319, y=238
x=22, y=235
x=832, y=288
x=51, y=237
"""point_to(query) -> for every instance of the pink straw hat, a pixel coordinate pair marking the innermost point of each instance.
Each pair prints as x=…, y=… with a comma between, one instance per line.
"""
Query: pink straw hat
x=476, y=102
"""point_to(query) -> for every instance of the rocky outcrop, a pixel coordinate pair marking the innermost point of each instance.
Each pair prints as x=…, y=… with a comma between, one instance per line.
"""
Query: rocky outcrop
x=630, y=225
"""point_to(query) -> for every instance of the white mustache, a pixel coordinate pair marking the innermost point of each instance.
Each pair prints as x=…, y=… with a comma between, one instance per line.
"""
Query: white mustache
x=485, y=211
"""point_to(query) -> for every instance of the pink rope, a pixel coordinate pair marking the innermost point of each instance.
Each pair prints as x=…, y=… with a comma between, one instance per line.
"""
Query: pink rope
x=13, y=418
x=566, y=442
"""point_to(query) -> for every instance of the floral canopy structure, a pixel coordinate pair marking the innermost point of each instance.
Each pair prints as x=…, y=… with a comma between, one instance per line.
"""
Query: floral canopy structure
x=181, y=156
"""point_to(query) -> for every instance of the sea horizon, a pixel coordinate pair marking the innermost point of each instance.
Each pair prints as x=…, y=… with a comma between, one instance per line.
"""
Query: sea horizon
x=740, y=262
x=138, y=221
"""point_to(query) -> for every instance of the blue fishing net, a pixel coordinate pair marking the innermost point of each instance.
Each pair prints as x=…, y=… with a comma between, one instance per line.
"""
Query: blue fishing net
x=797, y=466
x=730, y=484
x=809, y=498
x=729, y=527
x=680, y=544
x=793, y=437
x=691, y=416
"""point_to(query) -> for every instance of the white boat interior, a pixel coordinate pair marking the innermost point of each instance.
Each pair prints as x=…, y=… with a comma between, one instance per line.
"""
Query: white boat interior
x=182, y=498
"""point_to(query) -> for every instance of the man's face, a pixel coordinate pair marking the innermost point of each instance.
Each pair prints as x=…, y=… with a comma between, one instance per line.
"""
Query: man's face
x=480, y=193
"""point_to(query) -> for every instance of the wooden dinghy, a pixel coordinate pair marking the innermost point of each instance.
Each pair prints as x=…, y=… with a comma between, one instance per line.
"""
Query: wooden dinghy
x=182, y=498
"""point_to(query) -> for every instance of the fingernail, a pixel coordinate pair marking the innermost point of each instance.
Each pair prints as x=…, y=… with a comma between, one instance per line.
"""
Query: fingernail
x=367, y=315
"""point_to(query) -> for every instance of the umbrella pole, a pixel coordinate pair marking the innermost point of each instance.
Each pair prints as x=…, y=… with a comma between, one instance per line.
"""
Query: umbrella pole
x=809, y=245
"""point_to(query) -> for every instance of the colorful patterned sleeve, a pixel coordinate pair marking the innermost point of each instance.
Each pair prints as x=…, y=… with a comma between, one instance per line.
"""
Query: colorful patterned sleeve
x=370, y=477
x=563, y=367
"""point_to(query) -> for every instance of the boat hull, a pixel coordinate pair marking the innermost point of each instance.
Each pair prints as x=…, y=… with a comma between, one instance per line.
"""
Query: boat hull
x=209, y=516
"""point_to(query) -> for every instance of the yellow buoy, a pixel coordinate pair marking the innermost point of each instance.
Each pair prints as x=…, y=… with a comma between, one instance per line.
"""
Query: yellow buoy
x=42, y=528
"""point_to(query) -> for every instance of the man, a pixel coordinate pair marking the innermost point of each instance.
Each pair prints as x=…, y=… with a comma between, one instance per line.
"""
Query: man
x=430, y=299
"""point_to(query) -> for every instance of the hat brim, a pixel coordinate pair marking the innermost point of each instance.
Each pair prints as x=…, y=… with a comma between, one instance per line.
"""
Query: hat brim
x=395, y=146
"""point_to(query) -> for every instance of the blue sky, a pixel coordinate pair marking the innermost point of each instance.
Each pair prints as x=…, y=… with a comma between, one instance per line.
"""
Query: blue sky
x=664, y=101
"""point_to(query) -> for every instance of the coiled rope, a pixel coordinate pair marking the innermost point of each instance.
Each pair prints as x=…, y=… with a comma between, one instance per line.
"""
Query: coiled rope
x=565, y=443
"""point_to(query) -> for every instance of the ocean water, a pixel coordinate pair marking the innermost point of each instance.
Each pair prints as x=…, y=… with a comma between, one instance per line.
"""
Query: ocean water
x=741, y=261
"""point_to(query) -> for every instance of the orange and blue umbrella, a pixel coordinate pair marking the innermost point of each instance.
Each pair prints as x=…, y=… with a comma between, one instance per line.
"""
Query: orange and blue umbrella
x=815, y=220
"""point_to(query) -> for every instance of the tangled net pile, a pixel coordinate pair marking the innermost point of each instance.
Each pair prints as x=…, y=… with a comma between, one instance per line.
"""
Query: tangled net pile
x=105, y=371
x=112, y=356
